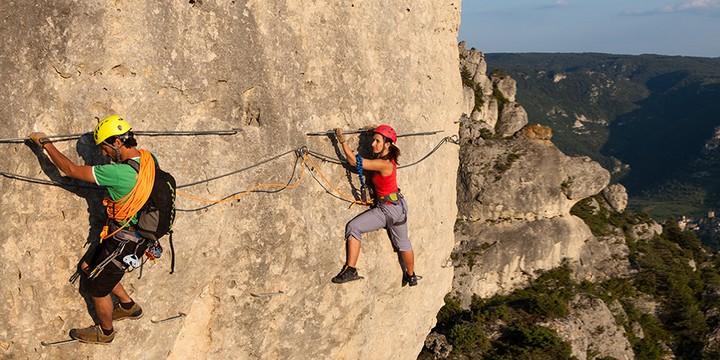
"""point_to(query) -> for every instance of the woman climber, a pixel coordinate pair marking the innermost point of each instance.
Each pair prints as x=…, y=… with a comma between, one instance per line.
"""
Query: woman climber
x=389, y=210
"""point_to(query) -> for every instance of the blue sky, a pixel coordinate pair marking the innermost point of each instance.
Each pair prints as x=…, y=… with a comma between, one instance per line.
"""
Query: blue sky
x=669, y=27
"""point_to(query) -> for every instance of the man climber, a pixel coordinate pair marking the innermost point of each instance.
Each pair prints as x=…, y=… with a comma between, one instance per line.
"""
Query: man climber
x=129, y=189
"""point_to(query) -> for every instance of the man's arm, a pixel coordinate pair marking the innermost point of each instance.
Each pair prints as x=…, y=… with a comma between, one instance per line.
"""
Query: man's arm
x=80, y=172
x=69, y=168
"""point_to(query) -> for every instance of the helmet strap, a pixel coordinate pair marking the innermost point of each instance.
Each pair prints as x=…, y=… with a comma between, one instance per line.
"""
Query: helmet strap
x=116, y=151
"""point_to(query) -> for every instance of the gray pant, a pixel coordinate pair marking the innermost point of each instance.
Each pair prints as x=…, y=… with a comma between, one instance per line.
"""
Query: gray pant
x=392, y=217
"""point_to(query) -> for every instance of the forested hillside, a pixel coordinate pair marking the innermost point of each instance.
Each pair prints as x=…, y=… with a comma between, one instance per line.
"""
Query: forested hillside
x=649, y=119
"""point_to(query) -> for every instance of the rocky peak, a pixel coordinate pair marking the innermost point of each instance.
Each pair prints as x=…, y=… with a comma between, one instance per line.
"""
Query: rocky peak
x=490, y=100
x=515, y=193
x=505, y=85
x=616, y=195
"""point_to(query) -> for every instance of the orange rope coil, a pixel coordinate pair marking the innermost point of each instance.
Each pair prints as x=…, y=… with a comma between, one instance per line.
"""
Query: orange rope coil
x=126, y=207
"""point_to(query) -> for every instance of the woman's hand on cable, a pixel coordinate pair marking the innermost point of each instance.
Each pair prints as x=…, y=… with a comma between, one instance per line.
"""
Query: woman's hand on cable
x=339, y=135
x=38, y=138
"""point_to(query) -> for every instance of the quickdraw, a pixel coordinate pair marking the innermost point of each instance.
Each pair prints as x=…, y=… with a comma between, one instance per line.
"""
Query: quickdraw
x=359, y=168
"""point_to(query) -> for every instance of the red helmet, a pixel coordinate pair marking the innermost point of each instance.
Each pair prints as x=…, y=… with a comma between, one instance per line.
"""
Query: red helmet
x=386, y=131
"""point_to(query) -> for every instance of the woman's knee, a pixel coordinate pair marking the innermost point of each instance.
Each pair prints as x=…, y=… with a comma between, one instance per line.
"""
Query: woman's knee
x=352, y=230
x=404, y=247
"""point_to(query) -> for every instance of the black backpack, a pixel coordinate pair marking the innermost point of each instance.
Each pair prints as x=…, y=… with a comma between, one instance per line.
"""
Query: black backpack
x=156, y=217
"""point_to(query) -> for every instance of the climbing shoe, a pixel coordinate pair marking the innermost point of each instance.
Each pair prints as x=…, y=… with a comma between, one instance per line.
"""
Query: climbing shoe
x=92, y=335
x=346, y=274
x=120, y=313
x=410, y=279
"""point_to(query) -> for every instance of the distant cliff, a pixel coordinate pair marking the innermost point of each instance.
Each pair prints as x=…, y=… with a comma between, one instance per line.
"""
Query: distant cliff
x=648, y=119
x=549, y=263
x=515, y=190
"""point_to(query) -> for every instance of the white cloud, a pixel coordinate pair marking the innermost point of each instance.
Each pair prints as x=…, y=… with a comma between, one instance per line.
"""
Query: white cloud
x=555, y=4
x=683, y=6
x=692, y=5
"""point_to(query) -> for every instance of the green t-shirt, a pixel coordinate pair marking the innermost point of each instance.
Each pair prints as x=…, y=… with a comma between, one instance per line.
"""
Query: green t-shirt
x=118, y=179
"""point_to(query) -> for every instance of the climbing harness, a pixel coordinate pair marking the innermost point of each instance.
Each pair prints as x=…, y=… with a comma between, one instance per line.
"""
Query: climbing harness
x=391, y=198
x=129, y=262
x=121, y=212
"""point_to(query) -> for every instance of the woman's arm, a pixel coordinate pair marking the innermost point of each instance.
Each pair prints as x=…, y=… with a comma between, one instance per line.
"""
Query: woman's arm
x=382, y=166
x=349, y=154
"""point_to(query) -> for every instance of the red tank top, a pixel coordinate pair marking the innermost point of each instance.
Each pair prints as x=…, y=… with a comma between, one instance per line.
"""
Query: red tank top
x=385, y=185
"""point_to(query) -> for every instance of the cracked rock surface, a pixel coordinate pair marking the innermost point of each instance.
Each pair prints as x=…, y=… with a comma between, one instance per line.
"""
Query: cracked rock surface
x=514, y=201
x=274, y=70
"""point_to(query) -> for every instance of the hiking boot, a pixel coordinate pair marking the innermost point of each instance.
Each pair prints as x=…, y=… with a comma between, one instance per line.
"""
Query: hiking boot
x=92, y=335
x=410, y=279
x=119, y=312
x=346, y=274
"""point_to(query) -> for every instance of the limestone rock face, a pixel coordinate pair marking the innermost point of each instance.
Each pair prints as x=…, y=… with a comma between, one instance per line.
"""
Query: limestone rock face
x=506, y=85
x=512, y=118
x=616, y=196
x=484, y=84
x=645, y=231
x=497, y=258
x=494, y=99
x=487, y=114
x=473, y=61
x=590, y=328
x=523, y=179
x=439, y=345
x=514, y=199
x=603, y=258
x=713, y=341
x=274, y=70
x=469, y=97
x=489, y=93
x=470, y=129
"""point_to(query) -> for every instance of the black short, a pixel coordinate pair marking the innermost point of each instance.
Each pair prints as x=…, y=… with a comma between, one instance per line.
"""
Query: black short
x=103, y=284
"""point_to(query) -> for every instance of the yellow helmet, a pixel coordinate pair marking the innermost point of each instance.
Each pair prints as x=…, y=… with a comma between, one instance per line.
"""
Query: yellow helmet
x=112, y=125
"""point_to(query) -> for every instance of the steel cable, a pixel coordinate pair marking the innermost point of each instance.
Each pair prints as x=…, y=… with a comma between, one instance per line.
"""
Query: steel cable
x=65, y=137
x=451, y=139
x=237, y=171
x=243, y=192
x=300, y=152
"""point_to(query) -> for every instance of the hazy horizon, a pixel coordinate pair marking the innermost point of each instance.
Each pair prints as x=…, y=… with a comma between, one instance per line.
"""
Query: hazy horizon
x=589, y=52
x=652, y=27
